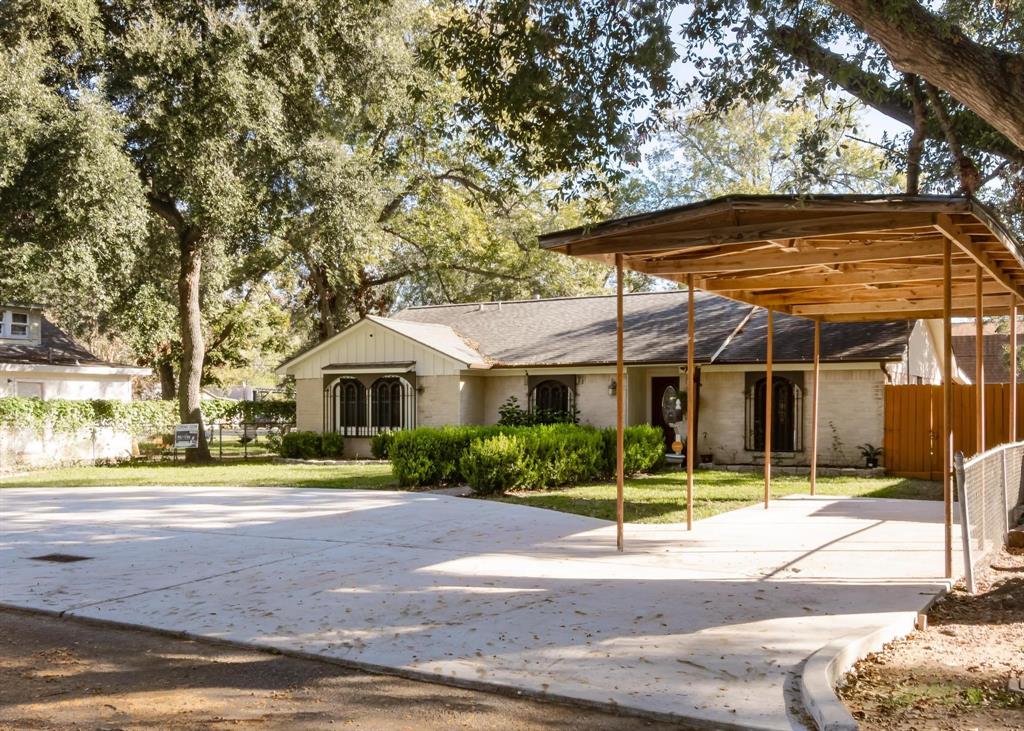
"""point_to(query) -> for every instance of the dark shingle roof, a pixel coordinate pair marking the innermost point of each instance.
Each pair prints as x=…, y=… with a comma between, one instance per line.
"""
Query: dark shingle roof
x=996, y=353
x=56, y=348
x=581, y=330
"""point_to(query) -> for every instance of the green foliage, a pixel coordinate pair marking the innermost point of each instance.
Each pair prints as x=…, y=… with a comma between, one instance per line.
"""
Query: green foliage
x=135, y=417
x=644, y=449
x=332, y=445
x=556, y=454
x=380, y=444
x=511, y=413
x=495, y=464
x=430, y=456
x=311, y=445
x=758, y=148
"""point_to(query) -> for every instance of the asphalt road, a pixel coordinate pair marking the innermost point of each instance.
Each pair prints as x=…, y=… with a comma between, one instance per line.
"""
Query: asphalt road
x=68, y=674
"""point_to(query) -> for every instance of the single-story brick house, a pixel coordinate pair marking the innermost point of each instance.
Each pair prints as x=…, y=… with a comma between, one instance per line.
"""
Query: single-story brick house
x=457, y=364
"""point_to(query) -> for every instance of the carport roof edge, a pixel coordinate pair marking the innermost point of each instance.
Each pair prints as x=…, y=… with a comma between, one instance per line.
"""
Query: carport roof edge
x=829, y=257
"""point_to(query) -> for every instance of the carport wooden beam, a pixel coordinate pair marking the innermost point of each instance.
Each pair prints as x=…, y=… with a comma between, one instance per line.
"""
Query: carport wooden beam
x=835, y=258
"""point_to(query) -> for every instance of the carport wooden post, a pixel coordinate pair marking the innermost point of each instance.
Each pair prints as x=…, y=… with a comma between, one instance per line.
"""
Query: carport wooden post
x=620, y=395
x=1013, y=371
x=814, y=404
x=947, y=404
x=691, y=404
x=768, y=412
x=979, y=360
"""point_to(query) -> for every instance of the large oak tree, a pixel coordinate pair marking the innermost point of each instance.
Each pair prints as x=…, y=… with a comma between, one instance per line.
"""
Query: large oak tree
x=209, y=103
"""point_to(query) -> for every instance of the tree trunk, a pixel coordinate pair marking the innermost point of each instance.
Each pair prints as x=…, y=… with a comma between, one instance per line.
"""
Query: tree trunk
x=168, y=391
x=192, y=349
x=988, y=81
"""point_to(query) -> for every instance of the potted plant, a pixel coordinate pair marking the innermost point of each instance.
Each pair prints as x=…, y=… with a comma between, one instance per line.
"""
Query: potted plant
x=871, y=454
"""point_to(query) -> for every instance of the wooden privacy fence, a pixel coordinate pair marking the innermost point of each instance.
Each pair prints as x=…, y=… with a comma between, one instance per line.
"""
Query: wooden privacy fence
x=913, y=425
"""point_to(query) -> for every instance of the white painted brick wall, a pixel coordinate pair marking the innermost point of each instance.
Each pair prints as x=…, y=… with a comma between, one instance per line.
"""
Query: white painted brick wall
x=497, y=389
x=596, y=407
x=438, y=403
x=471, y=400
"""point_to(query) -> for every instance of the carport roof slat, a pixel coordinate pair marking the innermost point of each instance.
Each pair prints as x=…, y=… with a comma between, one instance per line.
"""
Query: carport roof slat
x=830, y=257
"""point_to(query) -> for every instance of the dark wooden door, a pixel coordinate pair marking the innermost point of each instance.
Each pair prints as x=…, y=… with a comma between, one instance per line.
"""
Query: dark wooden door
x=658, y=386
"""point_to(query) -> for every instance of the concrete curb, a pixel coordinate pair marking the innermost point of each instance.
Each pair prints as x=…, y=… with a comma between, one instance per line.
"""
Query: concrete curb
x=825, y=668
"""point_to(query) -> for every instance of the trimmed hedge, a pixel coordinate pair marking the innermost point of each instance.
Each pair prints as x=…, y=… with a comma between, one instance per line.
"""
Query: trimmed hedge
x=552, y=455
x=644, y=448
x=496, y=464
x=135, y=417
x=311, y=445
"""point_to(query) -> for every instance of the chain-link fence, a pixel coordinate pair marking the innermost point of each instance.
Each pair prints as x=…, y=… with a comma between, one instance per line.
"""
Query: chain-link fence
x=989, y=489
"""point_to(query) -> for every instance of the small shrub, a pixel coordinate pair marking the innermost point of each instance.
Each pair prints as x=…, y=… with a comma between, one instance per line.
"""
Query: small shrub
x=332, y=445
x=644, y=449
x=511, y=413
x=380, y=444
x=301, y=445
x=309, y=445
x=429, y=456
x=495, y=464
x=562, y=454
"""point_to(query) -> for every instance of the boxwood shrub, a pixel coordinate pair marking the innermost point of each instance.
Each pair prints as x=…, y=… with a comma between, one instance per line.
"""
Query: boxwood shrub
x=311, y=445
x=496, y=464
x=380, y=444
x=644, y=448
x=551, y=455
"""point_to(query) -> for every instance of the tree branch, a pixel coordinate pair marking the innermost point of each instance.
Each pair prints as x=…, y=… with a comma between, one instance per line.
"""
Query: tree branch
x=872, y=90
x=988, y=81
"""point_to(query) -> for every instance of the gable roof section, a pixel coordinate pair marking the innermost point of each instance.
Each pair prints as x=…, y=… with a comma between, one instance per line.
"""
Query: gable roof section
x=995, y=351
x=436, y=336
x=56, y=348
x=581, y=330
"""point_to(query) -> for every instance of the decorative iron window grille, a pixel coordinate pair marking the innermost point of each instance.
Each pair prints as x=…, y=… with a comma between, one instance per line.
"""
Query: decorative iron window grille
x=347, y=413
x=552, y=396
x=391, y=405
x=353, y=409
x=787, y=415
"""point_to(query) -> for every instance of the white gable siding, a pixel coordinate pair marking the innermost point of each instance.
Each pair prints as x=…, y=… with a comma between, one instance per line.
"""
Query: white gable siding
x=369, y=342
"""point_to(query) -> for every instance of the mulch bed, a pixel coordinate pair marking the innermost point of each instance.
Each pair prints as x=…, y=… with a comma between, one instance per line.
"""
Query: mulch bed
x=955, y=674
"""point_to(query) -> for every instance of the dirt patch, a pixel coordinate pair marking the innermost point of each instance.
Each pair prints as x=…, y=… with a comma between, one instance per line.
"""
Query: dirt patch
x=953, y=675
x=65, y=674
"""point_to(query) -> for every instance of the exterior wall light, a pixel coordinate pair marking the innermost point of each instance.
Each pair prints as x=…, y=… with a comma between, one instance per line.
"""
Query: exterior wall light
x=612, y=387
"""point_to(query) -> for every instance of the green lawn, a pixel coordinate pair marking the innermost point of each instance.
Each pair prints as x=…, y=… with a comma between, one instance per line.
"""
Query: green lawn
x=656, y=498
x=250, y=473
x=661, y=498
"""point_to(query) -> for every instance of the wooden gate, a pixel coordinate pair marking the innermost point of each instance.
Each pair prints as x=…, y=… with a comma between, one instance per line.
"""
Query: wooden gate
x=913, y=425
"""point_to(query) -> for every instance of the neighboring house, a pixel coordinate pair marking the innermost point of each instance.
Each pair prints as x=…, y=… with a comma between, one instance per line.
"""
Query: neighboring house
x=457, y=364
x=38, y=359
x=996, y=351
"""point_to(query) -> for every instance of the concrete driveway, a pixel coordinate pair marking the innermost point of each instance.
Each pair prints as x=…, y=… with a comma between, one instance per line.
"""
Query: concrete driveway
x=710, y=626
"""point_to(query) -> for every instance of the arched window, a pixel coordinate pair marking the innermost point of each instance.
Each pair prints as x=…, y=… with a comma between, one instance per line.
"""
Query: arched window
x=391, y=404
x=787, y=415
x=551, y=396
x=348, y=407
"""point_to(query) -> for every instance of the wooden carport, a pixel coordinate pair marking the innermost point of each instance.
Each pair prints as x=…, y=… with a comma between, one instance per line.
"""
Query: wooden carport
x=826, y=258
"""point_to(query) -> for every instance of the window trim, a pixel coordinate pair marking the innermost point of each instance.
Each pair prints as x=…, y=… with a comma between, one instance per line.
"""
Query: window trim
x=753, y=439
x=7, y=325
x=369, y=417
x=550, y=383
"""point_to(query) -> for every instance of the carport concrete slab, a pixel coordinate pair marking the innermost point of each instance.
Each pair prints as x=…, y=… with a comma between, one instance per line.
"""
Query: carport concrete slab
x=710, y=625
